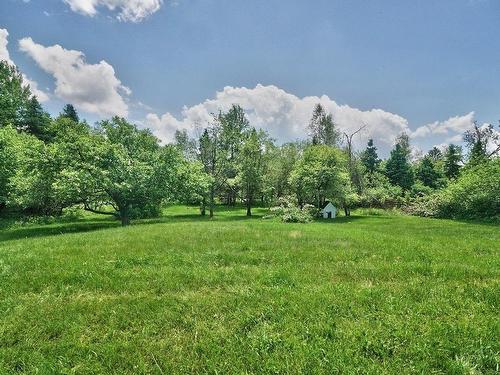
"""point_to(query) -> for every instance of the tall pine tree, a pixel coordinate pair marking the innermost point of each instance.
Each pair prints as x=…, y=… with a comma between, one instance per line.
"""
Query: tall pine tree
x=70, y=112
x=427, y=173
x=36, y=120
x=398, y=168
x=370, y=158
x=452, y=160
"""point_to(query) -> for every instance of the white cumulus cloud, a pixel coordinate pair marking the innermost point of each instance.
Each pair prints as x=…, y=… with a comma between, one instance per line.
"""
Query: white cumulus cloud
x=93, y=88
x=285, y=116
x=450, y=127
x=128, y=10
x=4, y=55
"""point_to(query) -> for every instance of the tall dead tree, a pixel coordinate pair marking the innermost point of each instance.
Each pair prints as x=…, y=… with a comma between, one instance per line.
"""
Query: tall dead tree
x=354, y=173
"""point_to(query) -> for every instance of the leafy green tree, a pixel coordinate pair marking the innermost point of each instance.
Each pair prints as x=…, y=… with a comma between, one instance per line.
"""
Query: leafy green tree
x=213, y=157
x=369, y=158
x=119, y=167
x=427, y=173
x=280, y=161
x=70, y=112
x=185, y=144
x=483, y=143
x=322, y=129
x=233, y=126
x=11, y=147
x=18, y=106
x=320, y=174
x=452, y=160
x=398, y=168
x=251, y=167
x=14, y=95
x=32, y=188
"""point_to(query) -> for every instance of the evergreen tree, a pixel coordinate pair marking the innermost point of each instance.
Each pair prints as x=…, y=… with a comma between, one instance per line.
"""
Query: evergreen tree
x=369, y=157
x=452, y=159
x=36, y=120
x=398, y=169
x=427, y=173
x=477, y=154
x=70, y=112
x=435, y=154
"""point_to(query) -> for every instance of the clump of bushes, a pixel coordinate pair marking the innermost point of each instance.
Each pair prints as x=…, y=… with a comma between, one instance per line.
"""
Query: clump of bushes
x=289, y=212
x=474, y=195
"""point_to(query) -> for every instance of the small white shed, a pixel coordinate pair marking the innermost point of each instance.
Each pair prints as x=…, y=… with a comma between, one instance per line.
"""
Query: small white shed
x=329, y=211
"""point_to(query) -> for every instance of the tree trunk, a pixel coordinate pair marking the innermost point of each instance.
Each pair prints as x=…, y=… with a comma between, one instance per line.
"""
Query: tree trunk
x=212, y=196
x=203, y=206
x=249, y=207
x=347, y=211
x=124, y=216
x=125, y=220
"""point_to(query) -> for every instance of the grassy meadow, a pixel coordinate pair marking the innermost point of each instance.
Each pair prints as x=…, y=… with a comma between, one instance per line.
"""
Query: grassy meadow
x=369, y=294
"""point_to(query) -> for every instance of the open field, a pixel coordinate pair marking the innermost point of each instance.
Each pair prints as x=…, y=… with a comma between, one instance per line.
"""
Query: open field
x=183, y=294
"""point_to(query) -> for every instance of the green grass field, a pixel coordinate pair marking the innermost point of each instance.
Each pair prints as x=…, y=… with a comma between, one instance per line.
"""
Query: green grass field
x=183, y=294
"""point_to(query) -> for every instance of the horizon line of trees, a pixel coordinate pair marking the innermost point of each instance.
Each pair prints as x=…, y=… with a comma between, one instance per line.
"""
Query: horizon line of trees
x=114, y=168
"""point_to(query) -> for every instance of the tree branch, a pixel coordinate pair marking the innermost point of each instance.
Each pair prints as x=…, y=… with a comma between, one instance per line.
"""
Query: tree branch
x=87, y=208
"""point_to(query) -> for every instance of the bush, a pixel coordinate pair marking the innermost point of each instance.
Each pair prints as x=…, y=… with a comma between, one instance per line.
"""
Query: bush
x=289, y=212
x=427, y=206
x=419, y=190
x=379, y=193
x=474, y=195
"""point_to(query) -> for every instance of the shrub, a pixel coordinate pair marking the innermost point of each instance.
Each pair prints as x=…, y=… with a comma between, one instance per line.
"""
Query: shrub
x=474, y=195
x=289, y=212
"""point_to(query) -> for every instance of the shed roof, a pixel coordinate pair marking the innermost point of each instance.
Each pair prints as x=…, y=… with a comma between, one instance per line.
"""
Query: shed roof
x=327, y=203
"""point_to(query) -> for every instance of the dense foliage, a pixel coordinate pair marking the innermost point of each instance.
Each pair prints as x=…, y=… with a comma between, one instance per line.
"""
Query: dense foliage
x=115, y=168
x=475, y=194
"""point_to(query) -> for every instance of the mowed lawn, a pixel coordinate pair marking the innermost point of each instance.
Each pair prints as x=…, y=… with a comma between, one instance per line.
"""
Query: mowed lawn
x=182, y=294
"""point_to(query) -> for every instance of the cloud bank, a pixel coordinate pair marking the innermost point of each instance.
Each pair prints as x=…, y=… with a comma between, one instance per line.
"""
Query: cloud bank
x=450, y=128
x=128, y=10
x=286, y=116
x=93, y=88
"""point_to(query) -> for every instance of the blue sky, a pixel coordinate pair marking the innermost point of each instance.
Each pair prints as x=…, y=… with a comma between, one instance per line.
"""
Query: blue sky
x=425, y=67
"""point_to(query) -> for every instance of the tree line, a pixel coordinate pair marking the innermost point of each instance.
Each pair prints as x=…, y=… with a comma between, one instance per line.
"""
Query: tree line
x=115, y=168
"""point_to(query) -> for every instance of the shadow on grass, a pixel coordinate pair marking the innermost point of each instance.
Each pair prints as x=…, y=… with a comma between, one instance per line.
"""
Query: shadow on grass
x=82, y=225
x=52, y=230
